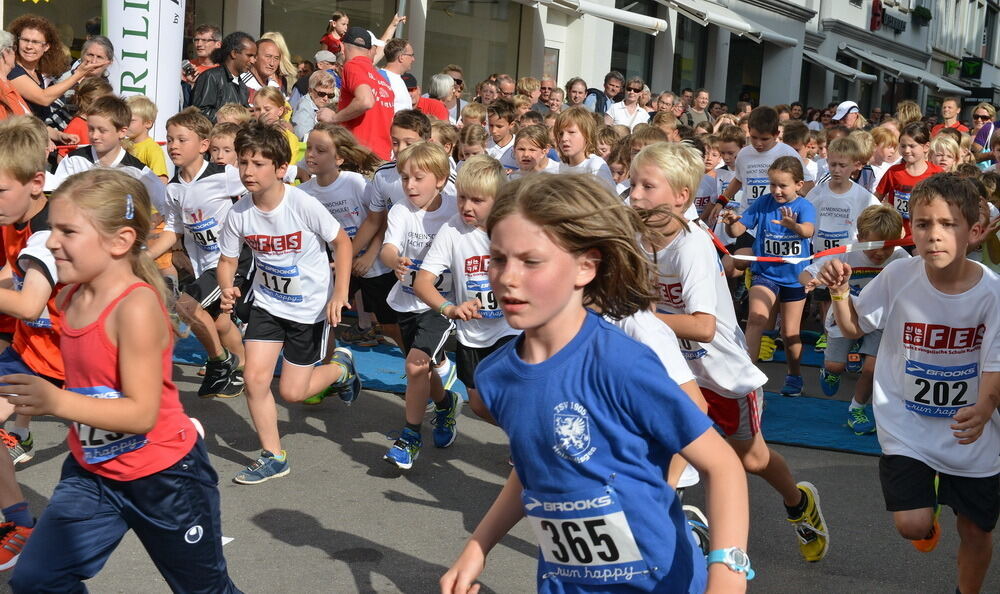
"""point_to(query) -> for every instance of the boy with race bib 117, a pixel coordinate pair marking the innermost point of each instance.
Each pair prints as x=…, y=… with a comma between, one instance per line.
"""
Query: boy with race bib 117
x=937, y=384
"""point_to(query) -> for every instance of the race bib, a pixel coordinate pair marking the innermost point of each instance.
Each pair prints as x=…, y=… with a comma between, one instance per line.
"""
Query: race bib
x=489, y=306
x=756, y=187
x=442, y=283
x=901, y=200
x=940, y=391
x=205, y=234
x=351, y=231
x=782, y=247
x=99, y=445
x=825, y=240
x=280, y=282
x=691, y=349
x=700, y=202
x=584, y=537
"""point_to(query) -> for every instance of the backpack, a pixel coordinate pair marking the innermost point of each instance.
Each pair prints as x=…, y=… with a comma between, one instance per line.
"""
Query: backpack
x=600, y=100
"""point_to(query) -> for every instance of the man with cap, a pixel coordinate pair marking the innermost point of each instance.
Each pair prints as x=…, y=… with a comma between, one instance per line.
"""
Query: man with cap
x=366, y=102
x=426, y=105
x=849, y=114
x=399, y=58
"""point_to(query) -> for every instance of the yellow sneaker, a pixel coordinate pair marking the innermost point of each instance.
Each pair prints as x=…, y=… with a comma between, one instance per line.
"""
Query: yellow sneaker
x=810, y=527
x=767, y=348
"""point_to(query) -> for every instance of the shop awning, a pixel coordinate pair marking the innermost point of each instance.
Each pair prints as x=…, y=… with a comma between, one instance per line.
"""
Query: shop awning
x=625, y=18
x=709, y=13
x=837, y=68
x=905, y=71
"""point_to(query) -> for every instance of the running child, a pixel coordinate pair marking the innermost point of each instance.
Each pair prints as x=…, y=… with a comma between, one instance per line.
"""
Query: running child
x=590, y=413
x=782, y=224
x=143, y=146
x=531, y=152
x=199, y=198
x=899, y=180
x=288, y=232
x=575, y=133
x=937, y=384
x=136, y=460
x=222, y=144
x=875, y=223
x=471, y=141
x=500, y=146
x=271, y=109
x=412, y=227
x=731, y=141
x=886, y=150
x=693, y=300
x=474, y=114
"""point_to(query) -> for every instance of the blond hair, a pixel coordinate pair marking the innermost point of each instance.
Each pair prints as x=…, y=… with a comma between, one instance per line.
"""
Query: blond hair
x=946, y=144
x=481, y=176
x=583, y=119
x=680, y=163
x=847, y=147
x=113, y=200
x=579, y=215
x=233, y=111
x=272, y=94
x=475, y=111
x=24, y=141
x=880, y=221
x=285, y=66
x=865, y=142
x=908, y=112
x=357, y=157
x=143, y=107
x=426, y=156
x=193, y=120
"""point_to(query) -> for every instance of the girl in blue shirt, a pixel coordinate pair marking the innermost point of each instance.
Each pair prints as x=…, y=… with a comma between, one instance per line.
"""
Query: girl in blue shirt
x=782, y=224
x=592, y=417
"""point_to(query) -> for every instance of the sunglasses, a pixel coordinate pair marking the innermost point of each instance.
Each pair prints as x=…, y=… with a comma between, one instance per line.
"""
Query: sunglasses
x=324, y=95
x=631, y=90
x=459, y=82
x=981, y=116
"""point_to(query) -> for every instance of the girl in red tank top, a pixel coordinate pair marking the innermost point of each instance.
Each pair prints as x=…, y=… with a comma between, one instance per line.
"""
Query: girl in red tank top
x=136, y=460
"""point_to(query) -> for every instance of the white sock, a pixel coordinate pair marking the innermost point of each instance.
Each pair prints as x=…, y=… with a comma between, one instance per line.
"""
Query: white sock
x=854, y=405
x=21, y=432
x=444, y=370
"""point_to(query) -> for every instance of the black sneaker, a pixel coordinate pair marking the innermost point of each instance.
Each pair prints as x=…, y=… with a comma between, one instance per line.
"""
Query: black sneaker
x=219, y=379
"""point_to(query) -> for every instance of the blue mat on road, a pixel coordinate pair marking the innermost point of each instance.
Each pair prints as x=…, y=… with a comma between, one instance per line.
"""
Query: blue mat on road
x=810, y=358
x=813, y=423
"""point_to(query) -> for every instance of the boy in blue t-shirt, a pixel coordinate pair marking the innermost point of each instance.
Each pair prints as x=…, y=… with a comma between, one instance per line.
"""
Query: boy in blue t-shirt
x=783, y=222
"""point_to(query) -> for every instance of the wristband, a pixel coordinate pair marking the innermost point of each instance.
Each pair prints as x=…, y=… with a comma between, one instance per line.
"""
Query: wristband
x=840, y=297
x=722, y=200
x=444, y=306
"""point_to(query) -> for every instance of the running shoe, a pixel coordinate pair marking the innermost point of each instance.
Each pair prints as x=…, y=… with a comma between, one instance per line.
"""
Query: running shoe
x=219, y=376
x=265, y=468
x=202, y=370
x=793, y=386
x=854, y=358
x=445, y=420
x=349, y=385
x=860, y=422
x=810, y=527
x=235, y=385
x=12, y=541
x=820, y=345
x=926, y=545
x=20, y=451
x=829, y=382
x=767, y=348
x=356, y=336
x=404, y=450
x=699, y=527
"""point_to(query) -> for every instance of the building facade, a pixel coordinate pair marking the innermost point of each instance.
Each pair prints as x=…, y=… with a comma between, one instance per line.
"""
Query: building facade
x=876, y=52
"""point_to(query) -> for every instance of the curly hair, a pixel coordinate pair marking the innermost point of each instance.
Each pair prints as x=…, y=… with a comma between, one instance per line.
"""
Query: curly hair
x=54, y=61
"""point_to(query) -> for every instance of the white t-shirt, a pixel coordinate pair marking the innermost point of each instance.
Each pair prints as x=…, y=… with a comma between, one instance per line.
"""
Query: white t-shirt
x=822, y=169
x=810, y=169
x=464, y=250
x=725, y=176
x=706, y=194
x=411, y=230
x=934, y=348
x=620, y=115
x=85, y=158
x=690, y=279
x=197, y=210
x=650, y=330
x=292, y=278
x=837, y=214
x=344, y=199
x=879, y=170
x=863, y=270
x=504, y=153
x=401, y=94
x=751, y=169
x=386, y=189
x=593, y=165
x=550, y=167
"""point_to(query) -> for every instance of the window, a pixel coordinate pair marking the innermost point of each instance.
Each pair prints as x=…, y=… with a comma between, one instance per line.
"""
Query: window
x=746, y=61
x=631, y=50
x=689, y=56
x=482, y=40
x=68, y=17
x=304, y=23
x=988, y=51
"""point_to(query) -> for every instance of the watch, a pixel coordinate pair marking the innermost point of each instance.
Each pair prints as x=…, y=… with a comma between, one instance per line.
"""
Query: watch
x=734, y=558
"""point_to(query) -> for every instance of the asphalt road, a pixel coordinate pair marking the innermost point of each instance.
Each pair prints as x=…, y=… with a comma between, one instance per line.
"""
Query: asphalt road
x=344, y=521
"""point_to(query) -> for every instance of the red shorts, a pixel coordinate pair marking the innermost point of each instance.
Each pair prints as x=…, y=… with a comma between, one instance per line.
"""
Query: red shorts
x=739, y=418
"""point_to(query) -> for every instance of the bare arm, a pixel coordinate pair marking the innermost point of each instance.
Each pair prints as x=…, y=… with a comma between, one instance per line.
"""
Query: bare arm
x=699, y=326
x=28, y=303
x=162, y=244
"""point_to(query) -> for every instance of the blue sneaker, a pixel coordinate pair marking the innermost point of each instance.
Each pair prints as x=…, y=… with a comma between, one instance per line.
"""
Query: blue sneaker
x=854, y=358
x=821, y=343
x=404, y=450
x=444, y=421
x=858, y=420
x=829, y=382
x=793, y=386
x=350, y=385
x=265, y=468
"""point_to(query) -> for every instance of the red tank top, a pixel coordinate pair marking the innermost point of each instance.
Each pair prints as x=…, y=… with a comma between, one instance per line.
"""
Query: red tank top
x=91, y=361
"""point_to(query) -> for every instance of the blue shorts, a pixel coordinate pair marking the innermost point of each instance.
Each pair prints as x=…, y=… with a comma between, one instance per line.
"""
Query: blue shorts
x=785, y=293
x=175, y=514
x=11, y=363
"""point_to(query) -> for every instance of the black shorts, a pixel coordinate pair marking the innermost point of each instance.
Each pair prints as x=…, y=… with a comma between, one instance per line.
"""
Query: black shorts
x=205, y=289
x=467, y=358
x=425, y=331
x=305, y=344
x=744, y=241
x=375, y=293
x=909, y=484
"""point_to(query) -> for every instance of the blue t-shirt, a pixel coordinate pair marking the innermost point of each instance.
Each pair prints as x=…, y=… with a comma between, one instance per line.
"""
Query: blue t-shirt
x=592, y=431
x=774, y=240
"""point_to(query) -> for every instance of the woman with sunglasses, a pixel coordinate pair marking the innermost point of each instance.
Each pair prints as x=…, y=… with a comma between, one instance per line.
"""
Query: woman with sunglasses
x=453, y=101
x=322, y=92
x=628, y=112
x=983, y=125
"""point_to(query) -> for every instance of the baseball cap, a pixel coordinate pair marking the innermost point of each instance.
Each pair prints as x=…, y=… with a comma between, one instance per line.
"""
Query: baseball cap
x=845, y=108
x=325, y=56
x=376, y=42
x=410, y=81
x=359, y=37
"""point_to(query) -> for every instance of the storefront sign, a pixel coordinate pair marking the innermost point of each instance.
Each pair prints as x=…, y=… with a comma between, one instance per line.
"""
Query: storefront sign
x=881, y=17
x=147, y=35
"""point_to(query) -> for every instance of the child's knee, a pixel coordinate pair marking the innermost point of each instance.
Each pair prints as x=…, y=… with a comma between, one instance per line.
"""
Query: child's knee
x=754, y=461
x=417, y=362
x=757, y=319
x=914, y=524
x=837, y=367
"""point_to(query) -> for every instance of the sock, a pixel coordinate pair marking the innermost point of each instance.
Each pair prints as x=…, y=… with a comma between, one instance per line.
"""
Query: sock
x=222, y=357
x=854, y=404
x=19, y=514
x=446, y=402
x=415, y=428
x=21, y=432
x=798, y=510
x=444, y=371
x=280, y=457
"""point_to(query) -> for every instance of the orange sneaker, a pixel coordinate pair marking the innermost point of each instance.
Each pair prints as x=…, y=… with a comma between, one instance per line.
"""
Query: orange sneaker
x=12, y=541
x=926, y=545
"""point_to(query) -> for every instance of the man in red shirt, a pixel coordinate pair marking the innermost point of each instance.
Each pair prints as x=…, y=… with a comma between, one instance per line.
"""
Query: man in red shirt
x=950, y=109
x=366, y=99
x=430, y=107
